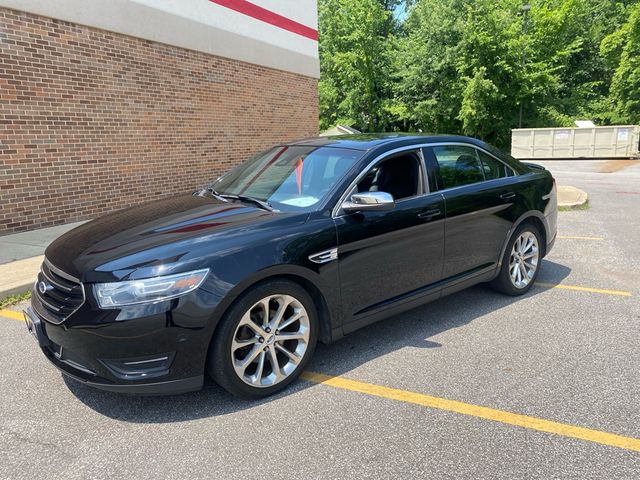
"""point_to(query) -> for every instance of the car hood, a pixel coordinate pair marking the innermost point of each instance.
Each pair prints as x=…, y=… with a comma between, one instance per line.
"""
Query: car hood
x=159, y=232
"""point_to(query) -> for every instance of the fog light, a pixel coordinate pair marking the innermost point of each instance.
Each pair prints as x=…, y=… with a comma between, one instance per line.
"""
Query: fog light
x=140, y=367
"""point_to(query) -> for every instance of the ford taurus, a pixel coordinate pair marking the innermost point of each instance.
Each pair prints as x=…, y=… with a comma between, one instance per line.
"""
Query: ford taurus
x=305, y=242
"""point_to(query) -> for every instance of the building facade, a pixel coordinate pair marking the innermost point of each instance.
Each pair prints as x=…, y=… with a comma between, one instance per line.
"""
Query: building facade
x=104, y=105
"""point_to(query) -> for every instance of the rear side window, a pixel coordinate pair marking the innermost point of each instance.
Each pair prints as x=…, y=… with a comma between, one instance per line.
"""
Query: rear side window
x=459, y=165
x=493, y=168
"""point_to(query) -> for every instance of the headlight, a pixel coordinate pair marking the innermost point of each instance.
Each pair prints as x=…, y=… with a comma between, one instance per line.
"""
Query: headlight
x=118, y=294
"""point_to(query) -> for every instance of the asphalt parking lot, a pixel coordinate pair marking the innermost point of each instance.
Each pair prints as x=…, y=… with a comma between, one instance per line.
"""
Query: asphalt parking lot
x=476, y=385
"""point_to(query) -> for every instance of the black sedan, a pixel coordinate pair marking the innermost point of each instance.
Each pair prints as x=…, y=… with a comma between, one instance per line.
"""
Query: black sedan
x=307, y=241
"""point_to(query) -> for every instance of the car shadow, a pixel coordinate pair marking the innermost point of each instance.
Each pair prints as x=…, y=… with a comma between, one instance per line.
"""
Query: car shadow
x=410, y=329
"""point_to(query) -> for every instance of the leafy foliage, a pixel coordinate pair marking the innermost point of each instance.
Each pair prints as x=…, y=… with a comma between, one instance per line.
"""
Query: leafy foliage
x=354, y=61
x=625, y=86
x=470, y=66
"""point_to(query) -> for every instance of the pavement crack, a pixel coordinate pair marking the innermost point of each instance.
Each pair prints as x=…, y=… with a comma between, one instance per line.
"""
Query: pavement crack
x=16, y=436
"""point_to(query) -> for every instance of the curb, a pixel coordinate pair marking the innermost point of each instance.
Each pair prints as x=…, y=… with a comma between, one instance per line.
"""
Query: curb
x=571, y=197
x=15, y=290
x=18, y=276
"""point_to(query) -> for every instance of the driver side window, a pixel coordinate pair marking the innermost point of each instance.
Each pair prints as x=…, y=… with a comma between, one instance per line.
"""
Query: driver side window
x=400, y=175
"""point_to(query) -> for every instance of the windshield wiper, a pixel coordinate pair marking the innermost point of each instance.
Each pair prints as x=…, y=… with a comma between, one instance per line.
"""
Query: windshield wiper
x=246, y=198
x=215, y=194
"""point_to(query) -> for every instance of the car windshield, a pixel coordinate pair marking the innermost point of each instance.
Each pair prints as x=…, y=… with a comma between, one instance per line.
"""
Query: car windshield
x=289, y=178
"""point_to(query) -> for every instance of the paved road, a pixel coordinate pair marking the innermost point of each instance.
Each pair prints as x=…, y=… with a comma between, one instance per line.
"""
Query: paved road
x=558, y=354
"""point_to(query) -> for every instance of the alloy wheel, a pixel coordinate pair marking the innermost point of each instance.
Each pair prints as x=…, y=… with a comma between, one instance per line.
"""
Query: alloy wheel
x=270, y=340
x=524, y=259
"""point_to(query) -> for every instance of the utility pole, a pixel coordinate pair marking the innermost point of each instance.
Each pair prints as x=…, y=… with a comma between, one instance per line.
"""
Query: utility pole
x=525, y=28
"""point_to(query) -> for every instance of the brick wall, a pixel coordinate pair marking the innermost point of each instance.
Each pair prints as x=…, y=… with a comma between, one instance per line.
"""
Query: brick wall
x=92, y=121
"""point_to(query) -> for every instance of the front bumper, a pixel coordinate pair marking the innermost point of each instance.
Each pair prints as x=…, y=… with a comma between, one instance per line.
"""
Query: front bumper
x=79, y=353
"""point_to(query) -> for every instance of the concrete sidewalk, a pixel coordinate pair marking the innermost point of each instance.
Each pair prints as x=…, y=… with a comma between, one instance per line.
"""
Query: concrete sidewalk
x=21, y=254
x=30, y=244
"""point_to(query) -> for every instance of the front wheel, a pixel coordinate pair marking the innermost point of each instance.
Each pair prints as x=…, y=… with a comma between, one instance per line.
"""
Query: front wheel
x=521, y=262
x=265, y=340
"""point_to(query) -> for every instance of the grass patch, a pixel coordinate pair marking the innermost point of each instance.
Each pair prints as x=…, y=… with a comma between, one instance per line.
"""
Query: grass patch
x=571, y=209
x=13, y=299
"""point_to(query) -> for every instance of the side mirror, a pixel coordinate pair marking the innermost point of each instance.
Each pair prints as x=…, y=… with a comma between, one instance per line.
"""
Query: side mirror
x=375, y=201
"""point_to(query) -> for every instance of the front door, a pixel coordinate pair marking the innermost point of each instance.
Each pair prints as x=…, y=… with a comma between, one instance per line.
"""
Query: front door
x=389, y=258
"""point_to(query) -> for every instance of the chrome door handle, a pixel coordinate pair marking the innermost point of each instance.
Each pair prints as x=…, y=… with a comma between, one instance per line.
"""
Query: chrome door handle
x=507, y=195
x=429, y=213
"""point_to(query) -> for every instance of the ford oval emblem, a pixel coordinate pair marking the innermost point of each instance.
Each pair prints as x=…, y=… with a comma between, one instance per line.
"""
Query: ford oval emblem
x=43, y=287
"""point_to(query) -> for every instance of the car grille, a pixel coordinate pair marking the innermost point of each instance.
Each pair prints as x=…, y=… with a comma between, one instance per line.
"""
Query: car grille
x=63, y=294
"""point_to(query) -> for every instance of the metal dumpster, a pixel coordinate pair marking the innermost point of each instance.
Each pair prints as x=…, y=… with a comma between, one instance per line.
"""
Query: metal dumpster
x=619, y=141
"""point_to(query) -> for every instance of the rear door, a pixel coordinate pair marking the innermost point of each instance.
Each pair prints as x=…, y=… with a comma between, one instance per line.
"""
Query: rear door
x=480, y=193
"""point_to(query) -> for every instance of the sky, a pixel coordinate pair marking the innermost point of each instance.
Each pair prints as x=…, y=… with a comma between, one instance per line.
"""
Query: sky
x=401, y=11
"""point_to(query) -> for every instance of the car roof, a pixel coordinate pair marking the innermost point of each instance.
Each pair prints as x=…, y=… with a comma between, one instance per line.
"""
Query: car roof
x=368, y=141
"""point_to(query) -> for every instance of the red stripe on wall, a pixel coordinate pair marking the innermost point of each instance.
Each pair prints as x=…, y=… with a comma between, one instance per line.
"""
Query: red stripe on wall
x=267, y=16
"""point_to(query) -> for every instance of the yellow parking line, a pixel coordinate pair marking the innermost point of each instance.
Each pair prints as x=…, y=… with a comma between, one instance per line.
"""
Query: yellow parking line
x=478, y=411
x=12, y=314
x=574, y=237
x=620, y=293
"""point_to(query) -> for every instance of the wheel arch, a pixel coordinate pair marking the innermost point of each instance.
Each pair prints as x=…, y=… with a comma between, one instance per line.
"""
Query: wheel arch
x=324, y=301
x=533, y=217
x=539, y=224
x=319, y=301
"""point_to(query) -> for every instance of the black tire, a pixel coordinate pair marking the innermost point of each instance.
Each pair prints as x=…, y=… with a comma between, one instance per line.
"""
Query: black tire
x=503, y=282
x=220, y=362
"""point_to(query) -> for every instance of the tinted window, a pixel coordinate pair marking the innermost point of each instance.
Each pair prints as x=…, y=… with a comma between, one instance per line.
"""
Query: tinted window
x=459, y=165
x=291, y=178
x=493, y=168
x=399, y=176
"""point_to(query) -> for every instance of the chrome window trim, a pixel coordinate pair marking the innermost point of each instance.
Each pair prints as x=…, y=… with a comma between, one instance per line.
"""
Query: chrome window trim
x=442, y=144
x=336, y=208
x=335, y=211
x=499, y=161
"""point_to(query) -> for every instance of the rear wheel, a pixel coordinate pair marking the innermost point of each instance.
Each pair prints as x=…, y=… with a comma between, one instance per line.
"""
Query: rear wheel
x=265, y=340
x=521, y=262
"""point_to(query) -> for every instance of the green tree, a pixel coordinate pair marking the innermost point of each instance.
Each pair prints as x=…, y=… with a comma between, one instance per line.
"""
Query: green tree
x=354, y=40
x=424, y=87
x=456, y=66
x=566, y=43
x=625, y=85
x=480, y=99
